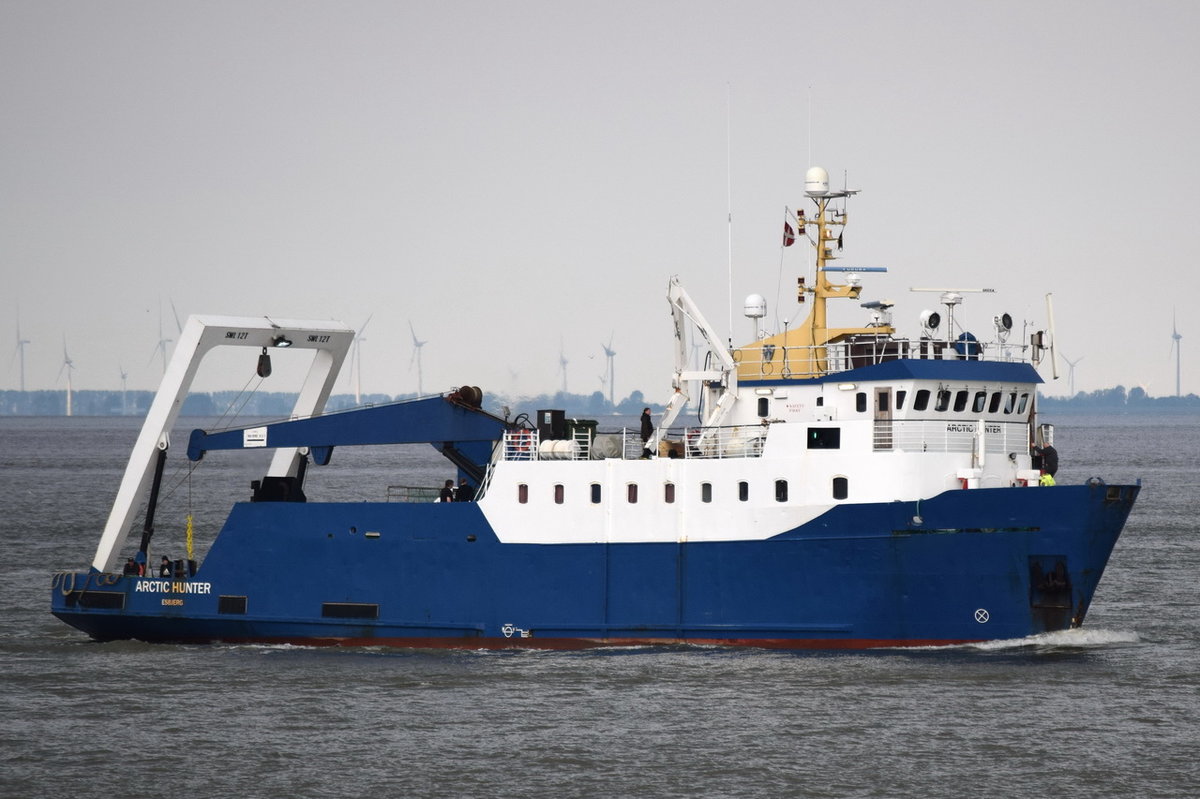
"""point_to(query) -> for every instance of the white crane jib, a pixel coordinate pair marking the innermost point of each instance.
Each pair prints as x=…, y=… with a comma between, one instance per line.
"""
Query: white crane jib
x=683, y=310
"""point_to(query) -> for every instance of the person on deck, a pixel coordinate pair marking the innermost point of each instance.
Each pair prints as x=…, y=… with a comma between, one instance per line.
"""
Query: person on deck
x=647, y=432
x=447, y=494
x=465, y=493
x=164, y=567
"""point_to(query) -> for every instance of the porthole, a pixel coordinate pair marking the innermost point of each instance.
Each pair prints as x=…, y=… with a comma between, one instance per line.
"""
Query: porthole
x=841, y=488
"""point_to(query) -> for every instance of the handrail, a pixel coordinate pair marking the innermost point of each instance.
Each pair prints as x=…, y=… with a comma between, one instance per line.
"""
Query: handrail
x=772, y=361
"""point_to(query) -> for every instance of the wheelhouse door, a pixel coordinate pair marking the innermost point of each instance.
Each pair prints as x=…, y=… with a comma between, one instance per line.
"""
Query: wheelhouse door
x=883, y=418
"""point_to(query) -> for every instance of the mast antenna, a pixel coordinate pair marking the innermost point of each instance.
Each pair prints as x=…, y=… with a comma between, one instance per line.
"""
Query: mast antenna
x=729, y=201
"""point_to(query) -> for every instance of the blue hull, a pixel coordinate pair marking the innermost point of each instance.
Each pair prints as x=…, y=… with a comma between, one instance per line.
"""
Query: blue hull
x=964, y=566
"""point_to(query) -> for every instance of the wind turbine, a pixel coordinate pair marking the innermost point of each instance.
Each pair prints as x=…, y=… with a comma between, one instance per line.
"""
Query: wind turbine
x=162, y=341
x=1175, y=347
x=357, y=363
x=1071, y=372
x=416, y=357
x=124, y=378
x=562, y=364
x=68, y=366
x=20, y=351
x=610, y=353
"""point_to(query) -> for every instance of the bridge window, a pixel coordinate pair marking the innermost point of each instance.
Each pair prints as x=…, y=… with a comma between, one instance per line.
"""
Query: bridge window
x=900, y=395
x=1021, y=405
x=706, y=492
x=743, y=491
x=960, y=401
x=943, y=400
x=668, y=493
x=841, y=488
x=994, y=405
x=1010, y=402
x=980, y=401
x=558, y=494
x=922, y=400
x=522, y=493
x=781, y=490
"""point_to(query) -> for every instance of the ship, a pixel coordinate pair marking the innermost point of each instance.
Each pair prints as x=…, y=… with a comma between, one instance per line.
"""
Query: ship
x=838, y=488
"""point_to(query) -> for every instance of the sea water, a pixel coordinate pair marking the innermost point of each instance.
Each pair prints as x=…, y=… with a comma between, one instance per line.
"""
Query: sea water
x=1111, y=709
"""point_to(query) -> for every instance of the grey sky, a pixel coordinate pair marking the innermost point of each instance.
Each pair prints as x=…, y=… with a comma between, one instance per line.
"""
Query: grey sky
x=511, y=175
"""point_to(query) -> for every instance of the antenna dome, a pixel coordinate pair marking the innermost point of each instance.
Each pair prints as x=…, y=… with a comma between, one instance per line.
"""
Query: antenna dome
x=816, y=182
x=756, y=306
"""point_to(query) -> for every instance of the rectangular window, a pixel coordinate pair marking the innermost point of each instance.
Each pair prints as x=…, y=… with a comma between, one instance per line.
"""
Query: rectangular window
x=922, y=400
x=860, y=402
x=900, y=395
x=522, y=493
x=595, y=493
x=824, y=438
x=668, y=493
x=349, y=610
x=881, y=399
x=743, y=491
x=631, y=492
x=102, y=600
x=706, y=492
x=764, y=405
x=781, y=490
x=558, y=494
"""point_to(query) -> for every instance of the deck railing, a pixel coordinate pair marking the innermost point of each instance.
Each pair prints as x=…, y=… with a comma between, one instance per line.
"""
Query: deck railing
x=738, y=441
x=769, y=361
x=929, y=435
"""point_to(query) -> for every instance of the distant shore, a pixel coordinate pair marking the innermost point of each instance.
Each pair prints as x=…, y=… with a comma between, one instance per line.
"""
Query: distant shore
x=276, y=404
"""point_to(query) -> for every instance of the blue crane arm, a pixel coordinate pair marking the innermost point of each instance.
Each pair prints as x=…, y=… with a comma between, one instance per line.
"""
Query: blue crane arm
x=433, y=420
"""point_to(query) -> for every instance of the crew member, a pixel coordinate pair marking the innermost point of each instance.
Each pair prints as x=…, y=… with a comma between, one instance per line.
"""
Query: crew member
x=647, y=432
x=465, y=493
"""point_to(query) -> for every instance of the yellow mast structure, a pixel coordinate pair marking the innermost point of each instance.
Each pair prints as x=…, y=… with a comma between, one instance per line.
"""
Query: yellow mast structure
x=803, y=352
